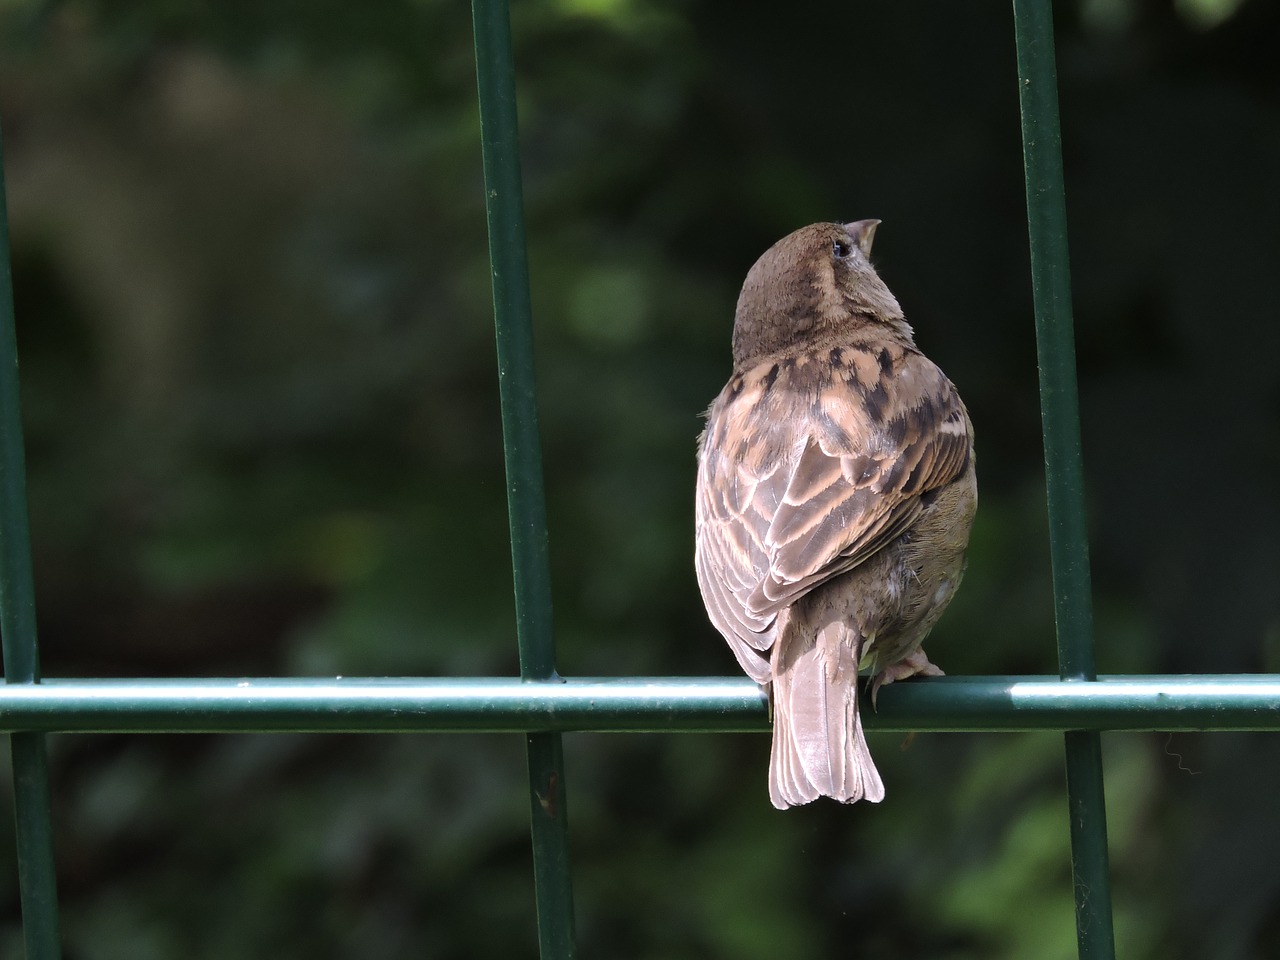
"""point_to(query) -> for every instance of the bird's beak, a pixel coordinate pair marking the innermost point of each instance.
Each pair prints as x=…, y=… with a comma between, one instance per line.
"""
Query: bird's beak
x=862, y=232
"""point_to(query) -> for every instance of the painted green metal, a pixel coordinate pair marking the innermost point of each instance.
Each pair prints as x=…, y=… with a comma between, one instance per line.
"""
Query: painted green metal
x=36, y=874
x=504, y=206
x=17, y=590
x=512, y=313
x=1064, y=474
x=1090, y=871
x=1055, y=338
x=626, y=705
x=34, y=831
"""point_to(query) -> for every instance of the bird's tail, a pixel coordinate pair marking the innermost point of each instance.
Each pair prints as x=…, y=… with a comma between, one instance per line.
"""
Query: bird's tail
x=819, y=749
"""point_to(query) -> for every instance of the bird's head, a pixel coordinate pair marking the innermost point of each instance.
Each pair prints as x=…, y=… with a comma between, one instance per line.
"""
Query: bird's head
x=814, y=284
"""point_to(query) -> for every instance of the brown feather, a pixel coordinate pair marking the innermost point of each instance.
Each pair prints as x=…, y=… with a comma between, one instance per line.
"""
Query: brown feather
x=835, y=495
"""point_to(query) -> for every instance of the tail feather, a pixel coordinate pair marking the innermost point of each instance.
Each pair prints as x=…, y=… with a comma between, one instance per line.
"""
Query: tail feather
x=819, y=749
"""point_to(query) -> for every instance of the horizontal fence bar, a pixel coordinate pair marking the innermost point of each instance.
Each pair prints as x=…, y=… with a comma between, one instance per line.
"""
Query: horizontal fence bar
x=626, y=705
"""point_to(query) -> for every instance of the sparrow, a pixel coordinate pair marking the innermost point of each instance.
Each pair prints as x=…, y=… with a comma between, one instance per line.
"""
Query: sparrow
x=835, y=494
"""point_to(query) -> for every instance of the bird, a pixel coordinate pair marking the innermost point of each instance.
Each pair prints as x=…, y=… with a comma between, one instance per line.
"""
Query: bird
x=835, y=495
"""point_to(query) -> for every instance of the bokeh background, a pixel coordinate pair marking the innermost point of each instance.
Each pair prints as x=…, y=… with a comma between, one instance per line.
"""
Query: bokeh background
x=263, y=439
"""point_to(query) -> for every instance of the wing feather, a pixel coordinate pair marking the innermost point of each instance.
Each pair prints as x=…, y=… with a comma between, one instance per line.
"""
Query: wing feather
x=806, y=469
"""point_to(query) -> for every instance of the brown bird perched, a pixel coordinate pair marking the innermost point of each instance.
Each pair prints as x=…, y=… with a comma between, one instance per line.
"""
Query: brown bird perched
x=835, y=495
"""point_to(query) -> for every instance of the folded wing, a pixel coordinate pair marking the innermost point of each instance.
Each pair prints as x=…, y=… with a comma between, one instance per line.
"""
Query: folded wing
x=808, y=469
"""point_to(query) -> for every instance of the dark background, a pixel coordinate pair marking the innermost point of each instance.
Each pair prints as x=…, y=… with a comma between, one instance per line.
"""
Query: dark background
x=263, y=439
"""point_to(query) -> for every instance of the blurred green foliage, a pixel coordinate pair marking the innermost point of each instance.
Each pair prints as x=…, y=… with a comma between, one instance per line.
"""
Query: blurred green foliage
x=263, y=439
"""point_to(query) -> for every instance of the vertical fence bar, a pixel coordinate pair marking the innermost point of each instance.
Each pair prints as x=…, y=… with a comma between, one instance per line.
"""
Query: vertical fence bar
x=1068, y=537
x=36, y=877
x=526, y=505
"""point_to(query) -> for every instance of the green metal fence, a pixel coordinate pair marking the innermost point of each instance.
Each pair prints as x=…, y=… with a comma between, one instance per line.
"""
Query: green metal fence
x=541, y=704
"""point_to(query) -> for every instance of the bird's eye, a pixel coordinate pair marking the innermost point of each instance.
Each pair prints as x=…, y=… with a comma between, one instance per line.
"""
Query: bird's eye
x=841, y=249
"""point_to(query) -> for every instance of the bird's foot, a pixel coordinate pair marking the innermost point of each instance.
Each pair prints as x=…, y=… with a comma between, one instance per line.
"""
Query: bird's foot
x=914, y=664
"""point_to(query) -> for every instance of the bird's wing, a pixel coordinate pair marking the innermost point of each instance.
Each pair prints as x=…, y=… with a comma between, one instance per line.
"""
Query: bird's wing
x=808, y=469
